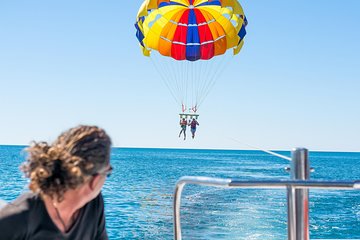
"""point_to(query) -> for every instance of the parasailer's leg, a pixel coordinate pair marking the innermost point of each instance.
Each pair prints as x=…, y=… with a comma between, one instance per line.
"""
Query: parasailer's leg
x=183, y=130
x=193, y=130
x=180, y=132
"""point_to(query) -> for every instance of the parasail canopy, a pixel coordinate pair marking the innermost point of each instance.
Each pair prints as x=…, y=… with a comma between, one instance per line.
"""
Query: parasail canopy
x=190, y=30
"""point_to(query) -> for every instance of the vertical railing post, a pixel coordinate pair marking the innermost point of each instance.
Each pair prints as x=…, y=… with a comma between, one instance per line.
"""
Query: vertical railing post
x=298, y=209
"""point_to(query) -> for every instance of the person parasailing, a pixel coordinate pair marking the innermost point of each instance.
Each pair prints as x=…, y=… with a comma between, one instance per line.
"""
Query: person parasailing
x=193, y=125
x=183, y=124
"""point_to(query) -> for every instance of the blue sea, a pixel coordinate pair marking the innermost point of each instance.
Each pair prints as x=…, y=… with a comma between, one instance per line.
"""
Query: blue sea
x=138, y=195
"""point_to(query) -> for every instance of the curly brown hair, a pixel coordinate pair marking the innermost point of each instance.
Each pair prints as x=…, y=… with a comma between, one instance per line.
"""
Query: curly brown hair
x=77, y=154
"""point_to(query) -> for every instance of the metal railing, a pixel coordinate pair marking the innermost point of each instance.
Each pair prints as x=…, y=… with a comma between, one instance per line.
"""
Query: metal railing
x=297, y=193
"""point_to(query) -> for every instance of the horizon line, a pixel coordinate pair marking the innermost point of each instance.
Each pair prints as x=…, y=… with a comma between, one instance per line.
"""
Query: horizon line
x=205, y=149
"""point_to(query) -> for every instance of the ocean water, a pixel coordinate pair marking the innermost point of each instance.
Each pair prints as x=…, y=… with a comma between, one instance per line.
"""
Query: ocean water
x=138, y=195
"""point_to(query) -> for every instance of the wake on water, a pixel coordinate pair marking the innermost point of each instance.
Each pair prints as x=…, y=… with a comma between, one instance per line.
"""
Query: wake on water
x=2, y=203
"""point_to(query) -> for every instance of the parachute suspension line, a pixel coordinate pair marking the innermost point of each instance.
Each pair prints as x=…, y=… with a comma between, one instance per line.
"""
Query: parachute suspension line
x=191, y=82
x=170, y=76
x=189, y=90
x=178, y=65
x=220, y=70
x=165, y=70
x=163, y=77
x=182, y=68
x=186, y=82
x=200, y=79
x=205, y=80
x=194, y=80
x=212, y=68
x=177, y=79
x=162, y=67
x=173, y=79
x=198, y=82
x=203, y=73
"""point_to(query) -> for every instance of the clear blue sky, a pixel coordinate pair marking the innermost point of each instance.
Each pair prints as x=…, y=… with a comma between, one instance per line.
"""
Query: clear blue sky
x=296, y=82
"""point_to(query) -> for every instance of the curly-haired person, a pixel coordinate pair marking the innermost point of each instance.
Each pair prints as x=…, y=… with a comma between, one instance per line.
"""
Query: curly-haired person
x=66, y=178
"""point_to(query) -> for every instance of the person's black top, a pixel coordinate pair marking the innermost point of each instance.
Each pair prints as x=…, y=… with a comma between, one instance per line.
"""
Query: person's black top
x=27, y=218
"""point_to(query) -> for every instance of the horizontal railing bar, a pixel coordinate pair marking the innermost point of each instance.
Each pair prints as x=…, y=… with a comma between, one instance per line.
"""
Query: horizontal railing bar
x=297, y=184
x=234, y=183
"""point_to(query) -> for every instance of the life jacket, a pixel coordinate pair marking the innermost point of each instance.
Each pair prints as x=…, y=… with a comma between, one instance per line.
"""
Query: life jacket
x=193, y=124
